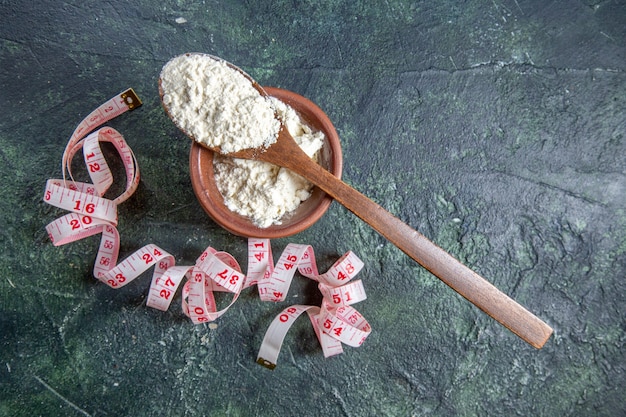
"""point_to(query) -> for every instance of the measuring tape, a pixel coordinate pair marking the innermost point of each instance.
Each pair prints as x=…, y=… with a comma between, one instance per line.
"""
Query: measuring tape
x=90, y=213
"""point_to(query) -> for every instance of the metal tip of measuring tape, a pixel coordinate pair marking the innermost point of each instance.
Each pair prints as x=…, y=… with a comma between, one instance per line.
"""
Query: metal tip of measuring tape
x=266, y=363
x=131, y=99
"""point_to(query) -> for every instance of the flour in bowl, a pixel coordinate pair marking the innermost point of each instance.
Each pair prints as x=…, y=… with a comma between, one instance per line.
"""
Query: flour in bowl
x=216, y=104
x=265, y=192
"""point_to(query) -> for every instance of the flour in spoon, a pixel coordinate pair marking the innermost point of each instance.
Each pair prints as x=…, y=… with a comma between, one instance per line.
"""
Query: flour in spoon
x=216, y=104
x=263, y=192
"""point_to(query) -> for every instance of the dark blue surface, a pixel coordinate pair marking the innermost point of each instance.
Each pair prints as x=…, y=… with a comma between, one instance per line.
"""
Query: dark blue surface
x=495, y=128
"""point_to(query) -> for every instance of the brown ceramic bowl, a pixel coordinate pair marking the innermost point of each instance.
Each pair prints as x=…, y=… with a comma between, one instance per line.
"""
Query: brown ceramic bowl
x=309, y=211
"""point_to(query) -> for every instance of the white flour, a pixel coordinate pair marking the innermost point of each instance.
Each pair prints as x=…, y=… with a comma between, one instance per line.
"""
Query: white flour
x=217, y=105
x=262, y=191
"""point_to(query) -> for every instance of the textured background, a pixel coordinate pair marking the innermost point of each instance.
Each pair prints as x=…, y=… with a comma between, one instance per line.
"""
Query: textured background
x=494, y=127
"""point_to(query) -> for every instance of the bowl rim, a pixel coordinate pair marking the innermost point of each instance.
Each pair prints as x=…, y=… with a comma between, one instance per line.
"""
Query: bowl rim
x=201, y=161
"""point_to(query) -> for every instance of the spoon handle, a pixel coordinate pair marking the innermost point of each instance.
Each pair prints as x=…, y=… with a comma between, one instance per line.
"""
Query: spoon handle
x=459, y=277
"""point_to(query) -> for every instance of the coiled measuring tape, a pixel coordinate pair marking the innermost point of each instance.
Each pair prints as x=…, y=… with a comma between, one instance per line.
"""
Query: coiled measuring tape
x=90, y=213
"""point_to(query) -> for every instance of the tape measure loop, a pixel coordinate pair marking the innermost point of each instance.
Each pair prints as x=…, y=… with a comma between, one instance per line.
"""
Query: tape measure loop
x=334, y=323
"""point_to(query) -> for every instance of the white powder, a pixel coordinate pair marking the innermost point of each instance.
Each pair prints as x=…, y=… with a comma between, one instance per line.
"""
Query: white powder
x=261, y=191
x=216, y=104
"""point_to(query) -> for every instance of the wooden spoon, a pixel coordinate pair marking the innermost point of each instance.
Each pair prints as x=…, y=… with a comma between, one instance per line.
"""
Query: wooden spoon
x=286, y=153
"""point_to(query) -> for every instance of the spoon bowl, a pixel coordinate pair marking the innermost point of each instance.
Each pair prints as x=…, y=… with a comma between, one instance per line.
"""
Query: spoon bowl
x=286, y=153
